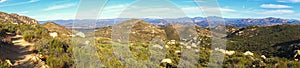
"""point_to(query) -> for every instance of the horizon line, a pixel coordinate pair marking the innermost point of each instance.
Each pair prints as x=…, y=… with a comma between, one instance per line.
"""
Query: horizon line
x=180, y=17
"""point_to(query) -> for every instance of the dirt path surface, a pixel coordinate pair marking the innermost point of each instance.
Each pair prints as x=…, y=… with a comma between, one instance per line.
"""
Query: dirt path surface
x=20, y=53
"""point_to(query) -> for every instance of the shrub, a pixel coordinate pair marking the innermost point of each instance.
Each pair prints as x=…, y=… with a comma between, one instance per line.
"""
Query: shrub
x=33, y=34
x=28, y=36
x=9, y=27
x=2, y=32
x=56, y=50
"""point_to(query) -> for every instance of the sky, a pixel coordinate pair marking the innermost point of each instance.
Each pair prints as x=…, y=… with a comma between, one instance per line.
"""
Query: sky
x=43, y=10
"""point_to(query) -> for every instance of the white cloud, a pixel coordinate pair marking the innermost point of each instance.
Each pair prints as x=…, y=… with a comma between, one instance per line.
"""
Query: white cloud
x=292, y=1
x=277, y=12
x=274, y=6
x=1, y=1
x=19, y=3
x=62, y=6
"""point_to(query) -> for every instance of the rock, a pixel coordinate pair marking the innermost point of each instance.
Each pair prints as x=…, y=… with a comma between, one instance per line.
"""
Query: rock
x=297, y=54
x=194, y=45
x=173, y=42
x=53, y=34
x=87, y=42
x=188, y=47
x=166, y=61
x=230, y=52
x=8, y=62
x=167, y=46
x=248, y=53
x=263, y=56
x=158, y=46
x=80, y=34
x=177, y=51
x=225, y=51
x=196, y=50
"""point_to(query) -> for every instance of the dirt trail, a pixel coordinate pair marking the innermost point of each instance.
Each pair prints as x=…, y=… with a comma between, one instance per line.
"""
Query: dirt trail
x=21, y=54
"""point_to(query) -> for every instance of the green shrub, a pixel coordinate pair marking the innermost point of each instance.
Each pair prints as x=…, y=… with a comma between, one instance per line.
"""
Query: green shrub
x=33, y=34
x=28, y=36
x=57, y=51
x=9, y=27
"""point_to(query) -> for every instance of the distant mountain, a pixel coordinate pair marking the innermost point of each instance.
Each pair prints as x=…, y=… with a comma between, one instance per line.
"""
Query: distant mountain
x=201, y=21
x=17, y=19
x=260, y=22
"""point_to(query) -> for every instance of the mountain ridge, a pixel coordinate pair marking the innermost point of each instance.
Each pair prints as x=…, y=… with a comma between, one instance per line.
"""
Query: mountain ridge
x=201, y=21
x=17, y=19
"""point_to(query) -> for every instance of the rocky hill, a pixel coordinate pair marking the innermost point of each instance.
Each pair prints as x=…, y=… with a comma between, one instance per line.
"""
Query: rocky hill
x=140, y=31
x=17, y=19
x=143, y=31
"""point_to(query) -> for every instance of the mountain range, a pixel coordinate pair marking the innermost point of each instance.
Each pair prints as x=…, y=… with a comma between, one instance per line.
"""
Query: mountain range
x=201, y=21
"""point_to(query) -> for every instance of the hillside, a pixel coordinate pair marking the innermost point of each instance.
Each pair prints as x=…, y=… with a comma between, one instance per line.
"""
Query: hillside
x=143, y=31
x=269, y=40
x=24, y=43
x=53, y=27
x=16, y=19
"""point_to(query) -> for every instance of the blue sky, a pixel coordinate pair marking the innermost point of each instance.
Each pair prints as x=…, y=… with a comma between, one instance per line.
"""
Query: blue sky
x=67, y=9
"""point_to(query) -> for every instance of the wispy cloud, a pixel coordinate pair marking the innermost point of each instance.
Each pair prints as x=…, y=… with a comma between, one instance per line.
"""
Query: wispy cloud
x=167, y=12
x=292, y=1
x=34, y=1
x=194, y=1
x=214, y=9
x=1, y=1
x=278, y=12
x=20, y=3
x=62, y=6
x=24, y=12
x=274, y=6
